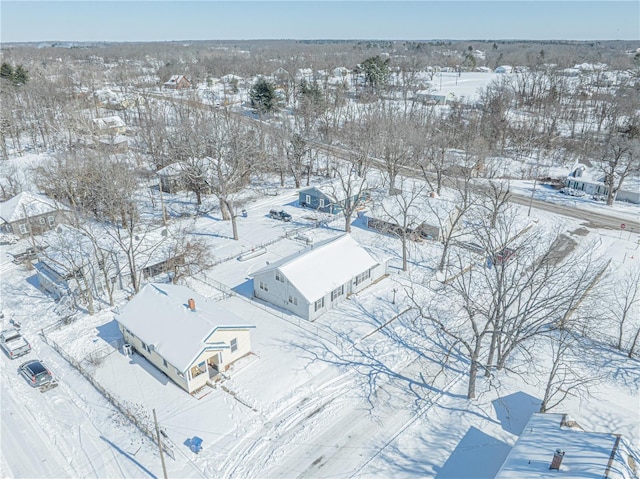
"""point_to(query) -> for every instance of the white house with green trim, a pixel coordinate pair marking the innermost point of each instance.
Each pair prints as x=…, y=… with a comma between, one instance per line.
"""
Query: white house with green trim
x=184, y=335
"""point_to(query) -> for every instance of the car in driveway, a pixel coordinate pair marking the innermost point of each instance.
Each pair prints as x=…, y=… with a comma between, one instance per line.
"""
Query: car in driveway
x=36, y=373
x=14, y=343
x=280, y=215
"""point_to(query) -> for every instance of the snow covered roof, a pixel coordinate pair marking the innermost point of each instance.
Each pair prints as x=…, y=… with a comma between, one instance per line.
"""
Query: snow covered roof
x=433, y=211
x=109, y=122
x=325, y=267
x=586, y=454
x=27, y=205
x=175, y=79
x=159, y=315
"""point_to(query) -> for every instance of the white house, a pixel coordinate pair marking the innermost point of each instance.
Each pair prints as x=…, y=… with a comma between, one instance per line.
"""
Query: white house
x=592, y=183
x=313, y=281
x=184, y=335
x=109, y=125
x=551, y=446
x=30, y=214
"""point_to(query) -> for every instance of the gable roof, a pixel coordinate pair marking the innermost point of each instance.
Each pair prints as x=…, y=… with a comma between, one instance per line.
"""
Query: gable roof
x=587, y=454
x=176, y=79
x=325, y=267
x=159, y=316
x=27, y=205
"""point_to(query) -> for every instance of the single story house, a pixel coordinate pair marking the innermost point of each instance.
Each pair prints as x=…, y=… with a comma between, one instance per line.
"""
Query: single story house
x=72, y=262
x=30, y=214
x=109, y=125
x=592, y=183
x=423, y=218
x=177, y=82
x=330, y=198
x=315, y=280
x=552, y=446
x=184, y=335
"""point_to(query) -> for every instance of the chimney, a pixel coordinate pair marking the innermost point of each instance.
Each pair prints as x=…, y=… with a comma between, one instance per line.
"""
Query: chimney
x=192, y=304
x=557, y=459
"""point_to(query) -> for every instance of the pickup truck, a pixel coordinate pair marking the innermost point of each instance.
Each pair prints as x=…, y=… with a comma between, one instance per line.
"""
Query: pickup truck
x=14, y=343
x=280, y=215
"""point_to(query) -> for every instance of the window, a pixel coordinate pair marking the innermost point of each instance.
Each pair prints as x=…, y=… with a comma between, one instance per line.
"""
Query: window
x=23, y=228
x=319, y=304
x=145, y=347
x=293, y=300
x=336, y=293
x=279, y=276
x=164, y=361
x=41, y=220
x=234, y=345
x=321, y=202
x=307, y=199
x=263, y=286
x=363, y=276
x=51, y=220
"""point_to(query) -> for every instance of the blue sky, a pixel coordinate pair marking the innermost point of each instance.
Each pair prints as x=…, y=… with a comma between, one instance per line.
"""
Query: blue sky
x=25, y=20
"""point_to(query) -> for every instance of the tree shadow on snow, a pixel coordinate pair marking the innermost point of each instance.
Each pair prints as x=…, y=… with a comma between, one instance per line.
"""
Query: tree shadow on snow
x=513, y=411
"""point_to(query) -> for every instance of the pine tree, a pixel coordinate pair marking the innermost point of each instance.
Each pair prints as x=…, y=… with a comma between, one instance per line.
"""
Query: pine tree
x=263, y=96
x=20, y=75
x=6, y=71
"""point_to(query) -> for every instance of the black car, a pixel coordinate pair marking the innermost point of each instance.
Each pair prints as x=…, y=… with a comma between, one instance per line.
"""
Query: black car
x=280, y=215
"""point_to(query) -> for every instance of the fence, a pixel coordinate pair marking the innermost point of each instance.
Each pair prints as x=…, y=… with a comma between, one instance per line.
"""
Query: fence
x=146, y=429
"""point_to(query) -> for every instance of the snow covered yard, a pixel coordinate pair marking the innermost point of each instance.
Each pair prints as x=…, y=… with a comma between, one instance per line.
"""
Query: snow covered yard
x=360, y=392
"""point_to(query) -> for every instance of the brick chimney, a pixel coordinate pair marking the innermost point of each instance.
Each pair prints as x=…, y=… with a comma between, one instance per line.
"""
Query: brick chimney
x=192, y=304
x=557, y=459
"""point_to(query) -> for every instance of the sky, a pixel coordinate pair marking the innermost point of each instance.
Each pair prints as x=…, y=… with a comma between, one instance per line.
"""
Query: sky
x=122, y=21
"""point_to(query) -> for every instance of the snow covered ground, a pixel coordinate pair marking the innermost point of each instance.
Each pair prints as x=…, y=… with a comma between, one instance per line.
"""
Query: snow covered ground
x=358, y=393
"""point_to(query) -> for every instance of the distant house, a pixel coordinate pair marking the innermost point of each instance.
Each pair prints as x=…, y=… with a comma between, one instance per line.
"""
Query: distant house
x=109, y=125
x=592, y=183
x=173, y=177
x=187, y=337
x=330, y=198
x=29, y=213
x=73, y=262
x=281, y=76
x=177, y=82
x=431, y=97
x=314, y=281
x=426, y=218
x=551, y=446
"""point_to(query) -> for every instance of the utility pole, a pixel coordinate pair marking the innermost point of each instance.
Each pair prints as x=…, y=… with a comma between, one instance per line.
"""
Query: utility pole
x=155, y=420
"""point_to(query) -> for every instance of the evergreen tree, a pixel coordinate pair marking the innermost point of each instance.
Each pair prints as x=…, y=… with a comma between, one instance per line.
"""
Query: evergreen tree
x=20, y=75
x=263, y=96
x=6, y=71
x=376, y=71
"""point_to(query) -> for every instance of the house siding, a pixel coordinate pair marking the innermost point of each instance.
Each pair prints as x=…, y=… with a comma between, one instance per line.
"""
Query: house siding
x=34, y=225
x=187, y=382
x=278, y=294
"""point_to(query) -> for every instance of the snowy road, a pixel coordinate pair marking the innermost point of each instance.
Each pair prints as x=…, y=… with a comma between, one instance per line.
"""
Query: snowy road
x=69, y=431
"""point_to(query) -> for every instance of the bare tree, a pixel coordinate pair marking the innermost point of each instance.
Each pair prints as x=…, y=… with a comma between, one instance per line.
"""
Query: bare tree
x=624, y=307
x=567, y=375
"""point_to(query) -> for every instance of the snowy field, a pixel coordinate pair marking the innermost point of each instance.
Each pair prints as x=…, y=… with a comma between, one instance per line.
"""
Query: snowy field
x=358, y=393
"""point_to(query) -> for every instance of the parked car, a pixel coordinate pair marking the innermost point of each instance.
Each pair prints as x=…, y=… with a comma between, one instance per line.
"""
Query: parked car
x=36, y=373
x=14, y=343
x=504, y=255
x=280, y=215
